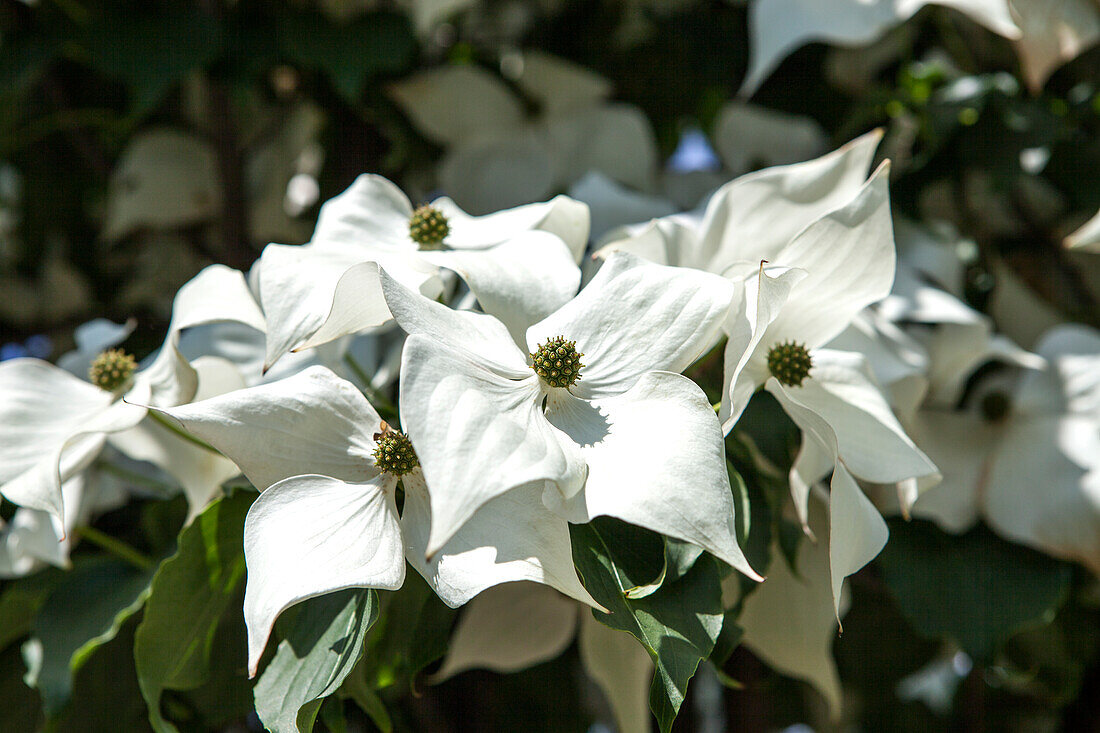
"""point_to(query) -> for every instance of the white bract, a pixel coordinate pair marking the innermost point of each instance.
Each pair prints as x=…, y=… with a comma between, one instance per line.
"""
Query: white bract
x=515, y=626
x=327, y=518
x=810, y=292
x=631, y=438
x=1025, y=458
x=752, y=217
x=314, y=293
x=778, y=27
x=790, y=621
x=53, y=424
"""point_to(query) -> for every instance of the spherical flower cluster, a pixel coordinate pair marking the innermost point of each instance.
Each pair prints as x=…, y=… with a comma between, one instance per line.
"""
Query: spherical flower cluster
x=394, y=453
x=557, y=362
x=790, y=363
x=428, y=227
x=112, y=369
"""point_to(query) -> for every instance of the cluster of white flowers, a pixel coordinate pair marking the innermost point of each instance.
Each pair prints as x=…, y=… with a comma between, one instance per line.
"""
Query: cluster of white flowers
x=528, y=401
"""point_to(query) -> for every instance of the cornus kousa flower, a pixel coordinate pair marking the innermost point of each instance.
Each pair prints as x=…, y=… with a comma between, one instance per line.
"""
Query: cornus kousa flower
x=1024, y=454
x=327, y=517
x=53, y=424
x=752, y=217
x=328, y=288
x=590, y=406
x=810, y=292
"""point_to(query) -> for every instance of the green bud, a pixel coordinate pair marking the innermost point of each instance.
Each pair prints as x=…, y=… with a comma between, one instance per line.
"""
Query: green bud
x=112, y=369
x=393, y=452
x=557, y=362
x=790, y=363
x=428, y=227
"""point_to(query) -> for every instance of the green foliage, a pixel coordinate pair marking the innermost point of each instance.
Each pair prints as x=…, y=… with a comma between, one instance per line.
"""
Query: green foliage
x=189, y=594
x=20, y=602
x=412, y=632
x=348, y=53
x=678, y=624
x=974, y=588
x=83, y=611
x=323, y=640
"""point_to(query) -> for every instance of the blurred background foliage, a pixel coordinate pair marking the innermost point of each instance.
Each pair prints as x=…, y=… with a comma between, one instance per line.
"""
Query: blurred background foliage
x=140, y=141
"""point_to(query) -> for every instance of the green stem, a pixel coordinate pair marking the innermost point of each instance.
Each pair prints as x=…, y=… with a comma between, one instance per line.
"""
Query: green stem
x=377, y=398
x=157, y=417
x=134, y=476
x=116, y=547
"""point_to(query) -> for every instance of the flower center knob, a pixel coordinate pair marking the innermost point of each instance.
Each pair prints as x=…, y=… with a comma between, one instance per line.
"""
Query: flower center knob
x=428, y=227
x=557, y=362
x=112, y=369
x=393, y=452
x=790, y=363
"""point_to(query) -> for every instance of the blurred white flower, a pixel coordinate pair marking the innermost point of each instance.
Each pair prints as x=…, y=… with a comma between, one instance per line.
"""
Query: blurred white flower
x=1024, y=456
x=778, y=27
x=497, y=157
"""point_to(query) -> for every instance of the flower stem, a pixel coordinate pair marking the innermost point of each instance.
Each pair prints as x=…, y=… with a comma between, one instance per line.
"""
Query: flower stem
x=134, y=477
x=116, y=547
x=377, y=398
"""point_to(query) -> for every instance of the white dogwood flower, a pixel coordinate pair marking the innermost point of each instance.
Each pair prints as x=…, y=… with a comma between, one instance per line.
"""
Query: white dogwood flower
x=53, y=424
x=778, y=27
x=327, y=518
x=1026, y=457
x=590, y=405
x=752, y=217
x=809, y=293
x=314, y=293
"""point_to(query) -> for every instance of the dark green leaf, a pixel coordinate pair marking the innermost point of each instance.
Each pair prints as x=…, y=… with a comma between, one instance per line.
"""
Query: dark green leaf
x=678, y=624
x=975, y=588
x=106, y=697
x=412, y=632
x=151, y=51
x=19, y=703
x=322, y=642
x=20, y=602
x=189, y=594
x=349, y=53
x=356, y=687
x=82, y=612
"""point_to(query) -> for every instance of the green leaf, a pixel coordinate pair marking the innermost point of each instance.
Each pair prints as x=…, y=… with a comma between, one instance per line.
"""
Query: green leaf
x=84, y=610
x=323, y=640
x=151, y=51
x=105, y=696
x=20, y=602
x=20, y=705
x=678, y=624
x=349, y=53
x=412, y=632
x=356, y=687
x=975, y=588
x=189, y=594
